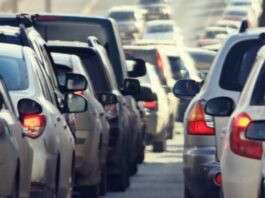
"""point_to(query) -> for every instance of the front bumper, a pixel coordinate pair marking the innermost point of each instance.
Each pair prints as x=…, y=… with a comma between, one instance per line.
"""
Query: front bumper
x=200, y=168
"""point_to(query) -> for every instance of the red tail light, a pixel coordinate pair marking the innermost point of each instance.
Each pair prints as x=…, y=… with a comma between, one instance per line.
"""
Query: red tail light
x=111, y=110
x=218, y=179
x=159, y=61
x=151, y=105
x=33, y=125
x=79, y=93
x=198, y=122
x=238, y=142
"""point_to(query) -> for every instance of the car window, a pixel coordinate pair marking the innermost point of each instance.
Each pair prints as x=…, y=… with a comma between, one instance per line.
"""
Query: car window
x=238, y=64
x=178, y=68
x=151, y=1
x=236, y=13
x=14, y=73
x=160, y=28
x=122, y=16
x=258, y=96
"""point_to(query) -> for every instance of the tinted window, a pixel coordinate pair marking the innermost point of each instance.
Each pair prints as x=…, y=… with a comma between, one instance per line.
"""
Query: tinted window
x=122, y=16
x=14, y=73
x=178, y=68
x=258, y=97
x=238, y=64
x=160, y=28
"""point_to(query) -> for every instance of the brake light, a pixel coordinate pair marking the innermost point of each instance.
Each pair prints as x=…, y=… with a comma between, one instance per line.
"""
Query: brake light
x=198, y=122
x=240, y=145
x=218, y=179
x=159, y=61
x=111, y=110
x=151, y=105
x=33, y=125
x=79, y=93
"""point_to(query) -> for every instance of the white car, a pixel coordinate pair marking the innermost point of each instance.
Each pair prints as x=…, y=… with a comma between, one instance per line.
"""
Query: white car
x=49, y=135
x=204, y=134
x=255, y=5
x=241, y=160
x=15, y=151
x=162, y=30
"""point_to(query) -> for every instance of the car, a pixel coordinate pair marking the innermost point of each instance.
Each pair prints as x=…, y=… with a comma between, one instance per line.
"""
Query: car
x=183, y=67
x=203, y=60
x=16, y=151
x=156, y=9
x=240, y=13
x=91, y=132
x=210, y=35
x=204, y=134
x=130, y=21
x=164, y=30
x=156, y=107
x=240, y=151
x=57, y=158
x=228, y=24
x=119, y=120
x=155, y=55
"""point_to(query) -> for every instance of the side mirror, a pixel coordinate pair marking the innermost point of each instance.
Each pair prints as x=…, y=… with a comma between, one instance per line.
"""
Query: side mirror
x=255, y=131
x=131, y=87
x=139, y=69
x=75, y=82
x=147, y=95
x=74, y=103
x=186, y=89
x=221, y=106
x=28, y=107
x=107, y=98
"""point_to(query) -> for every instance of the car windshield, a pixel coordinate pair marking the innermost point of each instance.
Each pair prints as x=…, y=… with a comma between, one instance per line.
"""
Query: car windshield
x=122, y=16
x=14, y=73
x=152, y=1
x=236, y=14
x=159, y=28
x=238, y=64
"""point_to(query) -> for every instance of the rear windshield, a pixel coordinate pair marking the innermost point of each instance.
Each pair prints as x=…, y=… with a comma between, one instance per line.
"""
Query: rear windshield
x=14, y=73
x=202, y=61
x=258, y=97
x=122, y=16
x=236, y=13
x=178, y=68
x=238, y=64
x=159, y=28
x=151, y=1
x=212, y=34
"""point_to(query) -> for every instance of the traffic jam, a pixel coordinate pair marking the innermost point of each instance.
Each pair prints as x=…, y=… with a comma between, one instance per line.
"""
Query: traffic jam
x=102, y=106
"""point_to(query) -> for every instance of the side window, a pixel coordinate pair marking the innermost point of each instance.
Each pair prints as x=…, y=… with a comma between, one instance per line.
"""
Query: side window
x=46, y=86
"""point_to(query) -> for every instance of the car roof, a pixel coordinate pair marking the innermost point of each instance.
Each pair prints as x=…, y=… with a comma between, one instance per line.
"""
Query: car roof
x=159, y=22
x=200, y=50
x=124, y=8
x=11, y=50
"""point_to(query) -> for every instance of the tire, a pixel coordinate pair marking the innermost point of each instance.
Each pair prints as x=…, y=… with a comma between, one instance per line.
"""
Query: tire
x=141, y=155
x=119, y=183
x=159, y=147
x=87, y=191
x=103, y=186
x=133, y=168
x=187, y=193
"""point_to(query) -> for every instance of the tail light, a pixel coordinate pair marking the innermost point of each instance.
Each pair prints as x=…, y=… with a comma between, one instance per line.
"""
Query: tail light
x=198, y=122
x=111, y=110
x=218, y=179
x=33, y=125
x=79, y=93
x=151, y=105
x=159, y=61
x=238, y=142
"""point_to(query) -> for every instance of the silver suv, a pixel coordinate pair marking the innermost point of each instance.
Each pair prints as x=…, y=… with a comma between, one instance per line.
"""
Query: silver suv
x=15, y=151
x=204, y=134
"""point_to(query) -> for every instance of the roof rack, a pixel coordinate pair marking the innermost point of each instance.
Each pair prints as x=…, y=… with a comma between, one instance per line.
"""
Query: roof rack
x=25, y=19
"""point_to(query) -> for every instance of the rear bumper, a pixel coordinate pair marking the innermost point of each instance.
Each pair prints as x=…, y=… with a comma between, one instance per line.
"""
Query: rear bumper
x=200, y=168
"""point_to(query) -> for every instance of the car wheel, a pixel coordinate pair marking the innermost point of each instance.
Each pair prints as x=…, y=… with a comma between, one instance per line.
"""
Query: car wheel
x=187, y=193
x=104, y=181
x=159, y=147
x=87, y=191
x=119, y=182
